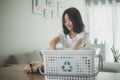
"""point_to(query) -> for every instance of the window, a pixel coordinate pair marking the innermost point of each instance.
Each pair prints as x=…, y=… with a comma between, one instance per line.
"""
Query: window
x=104, y=23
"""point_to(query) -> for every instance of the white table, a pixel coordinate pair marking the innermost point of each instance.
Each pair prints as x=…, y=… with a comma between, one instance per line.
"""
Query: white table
x=108, y=76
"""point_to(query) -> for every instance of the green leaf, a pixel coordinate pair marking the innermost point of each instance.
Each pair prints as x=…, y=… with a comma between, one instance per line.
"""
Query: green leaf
x=116, y=54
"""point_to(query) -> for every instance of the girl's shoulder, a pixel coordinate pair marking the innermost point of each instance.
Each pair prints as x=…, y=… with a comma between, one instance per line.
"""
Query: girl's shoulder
x=83, y=34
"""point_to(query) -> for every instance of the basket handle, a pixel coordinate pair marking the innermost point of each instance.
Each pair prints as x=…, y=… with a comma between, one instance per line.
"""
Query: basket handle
x=100, y=65
x=100, y=62
x=41, y=71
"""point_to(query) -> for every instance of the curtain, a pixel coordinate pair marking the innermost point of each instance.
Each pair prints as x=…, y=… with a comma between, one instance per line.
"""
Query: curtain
x=117, y=27
x=104, y=24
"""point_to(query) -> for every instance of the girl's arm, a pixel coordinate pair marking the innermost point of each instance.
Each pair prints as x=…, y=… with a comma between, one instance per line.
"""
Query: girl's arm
x=78, y=44
x=53, y=43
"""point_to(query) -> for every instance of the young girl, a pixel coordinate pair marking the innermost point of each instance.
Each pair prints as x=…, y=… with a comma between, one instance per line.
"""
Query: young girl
x=73, y=35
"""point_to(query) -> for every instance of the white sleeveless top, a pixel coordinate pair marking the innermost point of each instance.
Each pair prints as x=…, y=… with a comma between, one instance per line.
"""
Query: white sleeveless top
x=67, y=42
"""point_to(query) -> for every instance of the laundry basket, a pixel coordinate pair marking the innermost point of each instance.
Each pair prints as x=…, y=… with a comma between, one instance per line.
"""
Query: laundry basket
x=70, y=64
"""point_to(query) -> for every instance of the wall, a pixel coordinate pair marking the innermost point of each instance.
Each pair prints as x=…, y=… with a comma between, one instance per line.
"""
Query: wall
x=21, y=31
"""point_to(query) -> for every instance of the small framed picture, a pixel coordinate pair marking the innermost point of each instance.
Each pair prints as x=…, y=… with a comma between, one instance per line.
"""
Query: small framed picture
x=53, y=14
x=50, y=3
x=47, y=13
x=60, y=8
x=37, y=7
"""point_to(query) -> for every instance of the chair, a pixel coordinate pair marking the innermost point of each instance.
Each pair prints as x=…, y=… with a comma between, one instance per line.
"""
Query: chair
x=100, y=49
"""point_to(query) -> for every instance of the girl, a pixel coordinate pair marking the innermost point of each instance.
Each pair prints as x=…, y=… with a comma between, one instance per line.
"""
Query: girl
x=73, y=35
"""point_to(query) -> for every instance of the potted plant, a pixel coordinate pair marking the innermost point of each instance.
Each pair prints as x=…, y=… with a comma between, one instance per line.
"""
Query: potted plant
x=116, y=54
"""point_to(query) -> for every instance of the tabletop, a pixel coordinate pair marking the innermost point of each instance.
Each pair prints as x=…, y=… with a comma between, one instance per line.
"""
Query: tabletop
x=16, y=72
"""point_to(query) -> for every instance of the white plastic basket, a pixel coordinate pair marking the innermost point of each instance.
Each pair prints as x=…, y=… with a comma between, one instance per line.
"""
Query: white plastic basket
x=70, y=64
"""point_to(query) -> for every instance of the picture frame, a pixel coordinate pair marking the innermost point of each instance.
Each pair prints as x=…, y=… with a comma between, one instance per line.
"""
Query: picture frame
x=50, y=3
x=47, y=13
x=37, y=7
x=60, y=8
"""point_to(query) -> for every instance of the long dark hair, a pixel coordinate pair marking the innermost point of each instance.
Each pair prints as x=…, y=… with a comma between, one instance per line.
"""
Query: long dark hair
x=75, y=17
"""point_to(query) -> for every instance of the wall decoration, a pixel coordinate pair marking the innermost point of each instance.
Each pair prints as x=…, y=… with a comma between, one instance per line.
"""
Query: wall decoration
x=53, y=14
x=37, y=6
x=60, y=8
x=48, y=8
x=47, y=13
x=50, y=3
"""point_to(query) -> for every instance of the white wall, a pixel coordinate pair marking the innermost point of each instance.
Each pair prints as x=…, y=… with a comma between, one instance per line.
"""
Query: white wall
x=20, y=30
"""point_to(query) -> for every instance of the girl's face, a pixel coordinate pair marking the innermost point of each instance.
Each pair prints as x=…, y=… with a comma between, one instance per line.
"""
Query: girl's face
x=68, y=23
